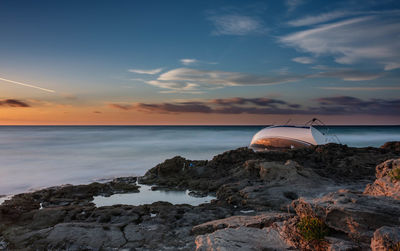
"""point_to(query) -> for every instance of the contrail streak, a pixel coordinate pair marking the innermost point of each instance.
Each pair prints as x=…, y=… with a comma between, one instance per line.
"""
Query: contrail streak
x=27, y=85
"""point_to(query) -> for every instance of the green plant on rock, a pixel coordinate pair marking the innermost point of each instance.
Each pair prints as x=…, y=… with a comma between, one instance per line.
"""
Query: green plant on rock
x=396, y=247
x=312, y=229
x=395, y=174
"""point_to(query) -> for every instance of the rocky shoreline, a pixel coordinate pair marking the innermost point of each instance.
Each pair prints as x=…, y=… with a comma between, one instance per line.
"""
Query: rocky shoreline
x=329, y=197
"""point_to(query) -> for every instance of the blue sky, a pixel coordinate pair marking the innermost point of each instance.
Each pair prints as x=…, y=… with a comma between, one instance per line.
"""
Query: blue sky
x=151, y=62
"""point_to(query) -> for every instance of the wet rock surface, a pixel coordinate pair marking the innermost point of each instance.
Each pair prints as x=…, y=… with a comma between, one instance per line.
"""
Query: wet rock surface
x=261, y=198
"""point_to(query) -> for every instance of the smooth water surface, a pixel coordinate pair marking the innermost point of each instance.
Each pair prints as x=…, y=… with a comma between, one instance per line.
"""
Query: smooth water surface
x=33, y=157
x=147, y=196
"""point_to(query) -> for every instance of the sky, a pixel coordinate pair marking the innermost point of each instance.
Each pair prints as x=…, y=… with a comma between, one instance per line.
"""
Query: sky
x=219, y=62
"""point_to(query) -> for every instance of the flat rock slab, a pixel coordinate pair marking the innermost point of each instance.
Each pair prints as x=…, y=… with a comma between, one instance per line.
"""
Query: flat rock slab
x=257, y=221
x=86, y=235
x=242, y=238
x=353, y=213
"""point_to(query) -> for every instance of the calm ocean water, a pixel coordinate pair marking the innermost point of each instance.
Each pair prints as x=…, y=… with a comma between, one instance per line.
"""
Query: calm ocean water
x=33, y=157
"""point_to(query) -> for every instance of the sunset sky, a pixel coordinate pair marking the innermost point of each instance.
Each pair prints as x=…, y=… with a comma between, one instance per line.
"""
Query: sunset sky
x=199, y=62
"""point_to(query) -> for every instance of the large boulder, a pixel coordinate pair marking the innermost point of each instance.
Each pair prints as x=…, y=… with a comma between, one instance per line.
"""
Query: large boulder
x=352, y=213
x=279, y=184
x=392, y=146
x=386, y=238
x=386, y=184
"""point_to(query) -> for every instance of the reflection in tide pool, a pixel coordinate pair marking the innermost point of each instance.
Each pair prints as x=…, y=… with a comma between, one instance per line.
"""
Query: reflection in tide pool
x=148, y=196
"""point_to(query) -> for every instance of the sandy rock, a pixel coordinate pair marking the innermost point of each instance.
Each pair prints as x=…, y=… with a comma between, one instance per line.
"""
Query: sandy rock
x=352, y=213
x=242, y=238
x=257, y=221
x=385, y=185
x=386, y=238
x=392, y=146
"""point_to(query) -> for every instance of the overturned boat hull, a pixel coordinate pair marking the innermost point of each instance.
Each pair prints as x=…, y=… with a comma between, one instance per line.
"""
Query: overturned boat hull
x=287, y=137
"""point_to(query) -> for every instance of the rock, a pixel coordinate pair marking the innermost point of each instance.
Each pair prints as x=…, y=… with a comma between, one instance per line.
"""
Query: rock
x=384, y=169
x=85, y=235
x=385, y=184
x=257, y=221
x=337, y=244
x=242, y=238
x=352, y=213
x=12, y=209
x=392, y=146
x=386, y=238
x=64, y=217
x=281, y=183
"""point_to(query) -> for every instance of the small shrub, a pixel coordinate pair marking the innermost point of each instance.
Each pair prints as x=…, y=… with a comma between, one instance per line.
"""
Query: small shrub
x=396, y=247
x=395, y=174
x=312, y=229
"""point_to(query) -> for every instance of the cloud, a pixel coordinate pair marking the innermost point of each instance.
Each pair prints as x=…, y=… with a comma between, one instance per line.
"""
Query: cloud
x=150, y=72
x=235, y=24
x=336, y=105
x=303, y=60
x=194, y=81
x=352, y=105
x=188, y=61
x=293, y=4
x=349, y=75
x=241, y=101
x=235, y=105
x=362, y=88
x=318, y=19
x=25, y=84
x=13, y=103
x=372, y=39
x=186, y=79
x=121, y=106
x=192, y=107
x=192, y=61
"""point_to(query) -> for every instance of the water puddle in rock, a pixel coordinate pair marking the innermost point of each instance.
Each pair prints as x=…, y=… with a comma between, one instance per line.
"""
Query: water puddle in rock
x=148, y=196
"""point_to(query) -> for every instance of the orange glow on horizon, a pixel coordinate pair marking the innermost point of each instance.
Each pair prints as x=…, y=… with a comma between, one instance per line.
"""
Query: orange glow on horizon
x=68, y=115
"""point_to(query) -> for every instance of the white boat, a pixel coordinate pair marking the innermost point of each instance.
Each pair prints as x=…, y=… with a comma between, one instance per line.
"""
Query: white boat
x=289, y=137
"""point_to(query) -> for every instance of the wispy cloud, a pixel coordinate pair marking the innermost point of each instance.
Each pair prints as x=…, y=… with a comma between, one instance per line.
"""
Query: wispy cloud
x=121, y=106
x=362, y=88
x=186, y=79
x=25, y=84
x=349, y=75
x=193, y=80
x=318, y=19
x=189, y=61
x=293, y=4
x=336, y=105
x=372, y=38
x=223, y=106
x=13, y=103
x=303, y=60
x=353, y=105
x=337, y=14
x=236, y=24
x=193, y=61
x=150, y=72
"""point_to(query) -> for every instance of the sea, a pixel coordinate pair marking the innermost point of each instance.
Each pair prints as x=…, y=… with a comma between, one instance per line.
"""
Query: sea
x=34, y=157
